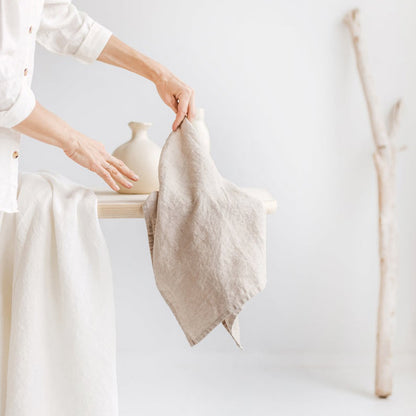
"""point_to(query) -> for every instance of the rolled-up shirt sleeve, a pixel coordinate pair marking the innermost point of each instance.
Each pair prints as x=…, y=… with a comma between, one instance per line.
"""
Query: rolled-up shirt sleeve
x=17, y=100
x=67, y=31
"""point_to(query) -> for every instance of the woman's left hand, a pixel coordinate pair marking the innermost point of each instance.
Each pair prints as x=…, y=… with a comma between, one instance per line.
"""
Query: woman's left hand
x=178, y=96
x=175, y=93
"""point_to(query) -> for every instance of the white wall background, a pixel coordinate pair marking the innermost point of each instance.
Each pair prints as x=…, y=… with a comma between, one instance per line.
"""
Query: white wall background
x=286, y=112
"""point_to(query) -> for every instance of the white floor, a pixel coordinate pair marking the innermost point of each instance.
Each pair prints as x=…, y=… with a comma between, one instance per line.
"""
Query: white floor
x=245, y=384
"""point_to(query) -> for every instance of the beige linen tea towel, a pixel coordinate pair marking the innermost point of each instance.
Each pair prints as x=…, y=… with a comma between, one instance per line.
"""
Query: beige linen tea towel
x=206, y=236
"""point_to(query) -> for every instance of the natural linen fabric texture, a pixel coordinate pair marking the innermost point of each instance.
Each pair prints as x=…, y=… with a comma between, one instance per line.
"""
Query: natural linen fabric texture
x=57, y=329
x=206, y=236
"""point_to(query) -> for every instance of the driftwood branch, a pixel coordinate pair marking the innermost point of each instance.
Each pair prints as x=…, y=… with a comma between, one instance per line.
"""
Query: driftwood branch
x=384, y=136
x=394, y=120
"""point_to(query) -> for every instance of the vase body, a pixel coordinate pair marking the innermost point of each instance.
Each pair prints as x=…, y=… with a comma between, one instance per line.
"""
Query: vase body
x=199, y=123
x=142, y=156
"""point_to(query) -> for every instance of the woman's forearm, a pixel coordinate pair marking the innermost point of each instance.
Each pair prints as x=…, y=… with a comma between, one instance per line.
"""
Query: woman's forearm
x=119, y=54
x=47, y=127
x=174, y=93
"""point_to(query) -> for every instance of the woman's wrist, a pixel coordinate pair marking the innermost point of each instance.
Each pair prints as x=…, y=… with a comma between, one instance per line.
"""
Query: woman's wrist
x=70, y=142
x=149, y=68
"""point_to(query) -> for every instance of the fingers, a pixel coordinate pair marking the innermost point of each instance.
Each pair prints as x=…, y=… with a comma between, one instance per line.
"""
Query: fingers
x=178, y=96
x=105, y=174
x=92, y=155
x=118, y=177
x=112, y=175
x=181, y=113
x=173, y=103
x=121, y=166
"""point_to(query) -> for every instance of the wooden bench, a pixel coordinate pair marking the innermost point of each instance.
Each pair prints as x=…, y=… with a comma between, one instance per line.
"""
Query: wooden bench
x=111, y=204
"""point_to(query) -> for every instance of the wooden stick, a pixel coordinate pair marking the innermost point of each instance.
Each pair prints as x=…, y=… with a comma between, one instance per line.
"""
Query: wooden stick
x=384, y=136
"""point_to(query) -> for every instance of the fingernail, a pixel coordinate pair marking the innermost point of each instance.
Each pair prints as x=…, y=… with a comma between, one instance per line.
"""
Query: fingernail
x=129, y=185
x=135, y=177
x=117, y=188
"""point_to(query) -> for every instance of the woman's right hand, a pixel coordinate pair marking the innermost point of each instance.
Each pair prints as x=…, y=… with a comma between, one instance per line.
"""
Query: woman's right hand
x=92, y=155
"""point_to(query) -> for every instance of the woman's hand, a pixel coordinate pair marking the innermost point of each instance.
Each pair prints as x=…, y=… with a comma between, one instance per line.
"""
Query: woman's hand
x=178, y=96
x=92, y=155
x=47, y=127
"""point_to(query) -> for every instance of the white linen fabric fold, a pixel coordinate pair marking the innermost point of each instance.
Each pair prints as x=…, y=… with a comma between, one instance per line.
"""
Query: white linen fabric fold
x=57, y=329
x=207, y=238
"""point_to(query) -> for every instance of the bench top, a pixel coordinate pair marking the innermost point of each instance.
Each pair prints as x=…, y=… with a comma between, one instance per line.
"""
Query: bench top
x=111, y=204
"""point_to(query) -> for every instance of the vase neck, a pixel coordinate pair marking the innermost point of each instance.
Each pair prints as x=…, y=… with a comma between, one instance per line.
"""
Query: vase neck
x=139, y=130
x=199, y=114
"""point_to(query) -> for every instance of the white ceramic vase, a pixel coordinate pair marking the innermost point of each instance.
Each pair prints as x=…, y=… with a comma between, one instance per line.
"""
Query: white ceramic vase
x=142, y=156
x=199, y=123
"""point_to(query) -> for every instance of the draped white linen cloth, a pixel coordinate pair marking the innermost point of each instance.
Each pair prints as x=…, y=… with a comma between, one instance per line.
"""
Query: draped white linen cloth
x=57, y=320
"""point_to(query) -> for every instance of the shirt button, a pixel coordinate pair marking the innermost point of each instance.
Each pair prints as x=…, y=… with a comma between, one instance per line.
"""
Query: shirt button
x=30, y=29
x=25, y=72
x=15, y=154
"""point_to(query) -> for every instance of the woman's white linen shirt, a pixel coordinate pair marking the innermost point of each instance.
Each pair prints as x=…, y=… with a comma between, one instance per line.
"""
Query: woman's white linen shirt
x=60, y=28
